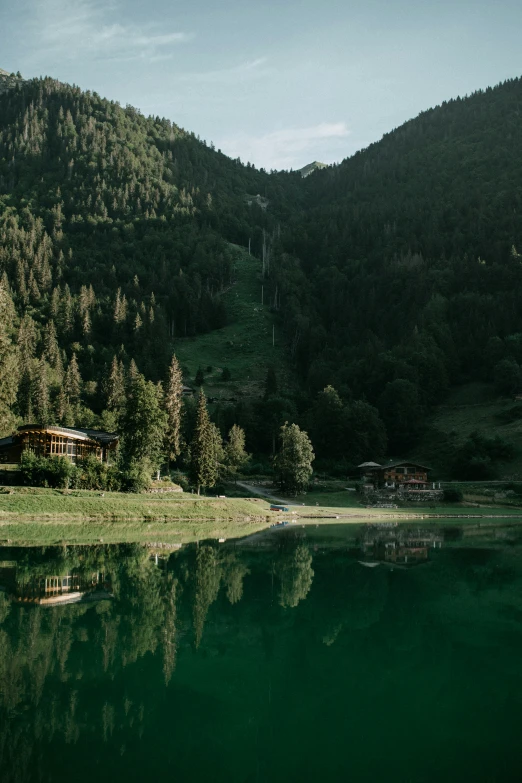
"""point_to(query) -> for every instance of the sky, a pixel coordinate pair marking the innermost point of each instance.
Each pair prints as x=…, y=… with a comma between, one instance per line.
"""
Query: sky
x=279, y=83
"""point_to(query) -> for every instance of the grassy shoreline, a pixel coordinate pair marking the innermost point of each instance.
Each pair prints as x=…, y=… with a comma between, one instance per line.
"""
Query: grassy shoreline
x=30, y=516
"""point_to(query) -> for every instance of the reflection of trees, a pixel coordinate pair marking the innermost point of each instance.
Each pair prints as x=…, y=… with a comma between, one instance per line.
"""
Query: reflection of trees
x=234, y=576
x=207, y=580
x=295, y=574
x=171, y=588
x=62, y=677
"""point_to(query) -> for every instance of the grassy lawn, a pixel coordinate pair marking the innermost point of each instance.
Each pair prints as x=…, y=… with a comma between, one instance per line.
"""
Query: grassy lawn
x=31, y=516
x=244, y=345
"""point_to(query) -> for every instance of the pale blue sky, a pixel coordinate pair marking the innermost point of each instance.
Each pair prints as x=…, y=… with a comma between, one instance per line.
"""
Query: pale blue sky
x=277, y=83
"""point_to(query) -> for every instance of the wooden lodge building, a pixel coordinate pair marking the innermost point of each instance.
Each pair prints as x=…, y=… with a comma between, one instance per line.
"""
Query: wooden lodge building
x=401, y=474
x=74, y=443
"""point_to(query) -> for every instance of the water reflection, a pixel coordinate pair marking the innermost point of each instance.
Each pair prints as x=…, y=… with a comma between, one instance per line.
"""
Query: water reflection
x=187, y=663
x=392, y=545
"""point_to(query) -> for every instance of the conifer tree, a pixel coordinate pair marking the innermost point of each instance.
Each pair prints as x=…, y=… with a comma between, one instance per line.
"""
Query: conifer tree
x=27, y=339
x=73, y=384
x=41, y=394
x=133, y=373
x=62, y=408
x=9, y=373
x=203, y=471
x=51, y=350
x=115, y=388
x=173, y=398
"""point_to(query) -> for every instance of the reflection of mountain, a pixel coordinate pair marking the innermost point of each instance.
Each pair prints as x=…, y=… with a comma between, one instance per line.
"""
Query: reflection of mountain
x=397, y=547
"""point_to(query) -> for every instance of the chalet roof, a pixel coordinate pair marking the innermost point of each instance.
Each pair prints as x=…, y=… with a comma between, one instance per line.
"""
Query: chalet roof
x=81, y=433
x=6, y=441
x=369, y=465
x=404, y=462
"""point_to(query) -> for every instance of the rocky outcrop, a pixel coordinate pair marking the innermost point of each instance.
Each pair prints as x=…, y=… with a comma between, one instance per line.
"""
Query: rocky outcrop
x=9, y=80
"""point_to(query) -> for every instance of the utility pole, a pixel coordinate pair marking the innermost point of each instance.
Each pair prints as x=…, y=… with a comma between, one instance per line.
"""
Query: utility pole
x=262, y=294
x=249, y=240
x=273, y=335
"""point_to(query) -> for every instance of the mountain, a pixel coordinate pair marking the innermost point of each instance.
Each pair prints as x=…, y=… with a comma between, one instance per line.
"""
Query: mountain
x=311, y=167
x=391, y=277
x=403, y=275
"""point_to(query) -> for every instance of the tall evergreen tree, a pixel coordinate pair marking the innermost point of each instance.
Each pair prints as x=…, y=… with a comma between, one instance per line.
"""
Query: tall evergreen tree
x=41, y=395
x=173, y=400
x=51, y=349
x=203, y=469
x=73, y=384
x=9, y=373
x=115, y=387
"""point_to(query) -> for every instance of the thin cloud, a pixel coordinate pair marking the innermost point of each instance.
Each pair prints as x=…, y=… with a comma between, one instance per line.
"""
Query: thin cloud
x=71, y=29
x=249, y=69
x=286, y=148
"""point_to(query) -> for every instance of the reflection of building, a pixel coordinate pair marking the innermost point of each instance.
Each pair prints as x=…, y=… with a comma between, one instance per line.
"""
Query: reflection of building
x=408, y=480
x=405, y=548
x=57, y=441
x=52, y=590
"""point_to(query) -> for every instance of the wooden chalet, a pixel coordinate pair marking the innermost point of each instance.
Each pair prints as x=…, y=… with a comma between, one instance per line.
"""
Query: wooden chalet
x=74, y=443
x=395, y=475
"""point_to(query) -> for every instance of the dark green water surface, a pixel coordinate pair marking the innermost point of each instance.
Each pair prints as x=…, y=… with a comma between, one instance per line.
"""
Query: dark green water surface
x=286, y=659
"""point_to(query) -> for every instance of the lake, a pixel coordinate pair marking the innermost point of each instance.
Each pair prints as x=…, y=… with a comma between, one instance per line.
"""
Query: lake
x=363, y=654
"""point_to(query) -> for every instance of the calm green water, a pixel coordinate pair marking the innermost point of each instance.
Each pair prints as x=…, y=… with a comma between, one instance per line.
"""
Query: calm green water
x=282, y=661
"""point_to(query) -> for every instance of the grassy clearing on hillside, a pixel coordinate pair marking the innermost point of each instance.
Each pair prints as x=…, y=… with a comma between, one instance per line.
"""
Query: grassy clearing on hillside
x=244, y=345
x=473, y=406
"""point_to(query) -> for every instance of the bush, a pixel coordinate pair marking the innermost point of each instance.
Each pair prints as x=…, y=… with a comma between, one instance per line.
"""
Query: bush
x=56, y=472
x=226, y=375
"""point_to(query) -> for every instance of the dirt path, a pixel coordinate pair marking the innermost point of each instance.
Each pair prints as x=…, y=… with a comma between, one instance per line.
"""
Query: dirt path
x=265, y=493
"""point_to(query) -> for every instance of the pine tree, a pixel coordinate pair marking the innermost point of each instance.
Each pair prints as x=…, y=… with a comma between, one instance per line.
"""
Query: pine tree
x=115, y=387
x=41, y=394
x=9, y=371
x=73, y=385
x=203, y=472
x=133, y=373
x=173, y=399
x=27, y=339
x=51, y=350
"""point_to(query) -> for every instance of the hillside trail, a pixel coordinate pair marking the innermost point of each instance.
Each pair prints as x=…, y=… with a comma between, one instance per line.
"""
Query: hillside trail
x=266, y=494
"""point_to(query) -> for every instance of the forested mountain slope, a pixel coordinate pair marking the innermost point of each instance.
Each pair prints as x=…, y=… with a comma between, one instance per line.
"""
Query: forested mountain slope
x=115, y=231
x=405, y=274
x=393, y=275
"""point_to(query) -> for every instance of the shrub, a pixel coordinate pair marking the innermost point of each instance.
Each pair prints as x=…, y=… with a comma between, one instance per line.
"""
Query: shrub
x=56, y=472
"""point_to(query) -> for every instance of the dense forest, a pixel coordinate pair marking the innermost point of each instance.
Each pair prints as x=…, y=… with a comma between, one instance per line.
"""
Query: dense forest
x=393, y=275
